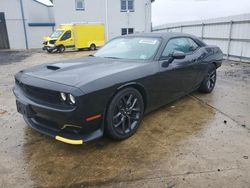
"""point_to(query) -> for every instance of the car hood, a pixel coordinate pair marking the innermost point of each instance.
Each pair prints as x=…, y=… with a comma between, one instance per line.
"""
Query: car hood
x=47, y=39
x=81, y=71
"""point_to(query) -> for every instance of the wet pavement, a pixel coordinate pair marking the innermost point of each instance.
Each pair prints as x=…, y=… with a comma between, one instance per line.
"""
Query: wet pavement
x=201, y=140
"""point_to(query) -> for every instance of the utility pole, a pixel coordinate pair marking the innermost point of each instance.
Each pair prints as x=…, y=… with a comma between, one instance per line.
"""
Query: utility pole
x=106, y=20
x=24, y=26
x=146, y=6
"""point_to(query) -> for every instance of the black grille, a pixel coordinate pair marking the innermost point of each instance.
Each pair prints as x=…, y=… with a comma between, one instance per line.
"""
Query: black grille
x=52, y=41
x=48, y=124
x=40, y=93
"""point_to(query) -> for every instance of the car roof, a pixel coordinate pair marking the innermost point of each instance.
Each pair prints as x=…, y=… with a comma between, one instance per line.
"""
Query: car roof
x=165, y=35
x=161, y=34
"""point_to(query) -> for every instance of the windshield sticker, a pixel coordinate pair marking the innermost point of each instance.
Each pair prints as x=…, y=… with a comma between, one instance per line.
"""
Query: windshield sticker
x=148, y=41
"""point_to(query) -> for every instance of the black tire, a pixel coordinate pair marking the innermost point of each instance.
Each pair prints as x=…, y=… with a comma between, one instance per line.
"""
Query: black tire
x=209, y=81
x=124, y=114
x=49, y=50
x=61, y=49
x=92, y=47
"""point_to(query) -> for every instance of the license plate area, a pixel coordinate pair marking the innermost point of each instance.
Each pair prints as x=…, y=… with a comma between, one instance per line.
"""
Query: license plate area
x=24, y=109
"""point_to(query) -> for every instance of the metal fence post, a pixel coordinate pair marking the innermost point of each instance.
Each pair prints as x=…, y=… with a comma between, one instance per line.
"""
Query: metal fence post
x=229, y=39
x=202, y=31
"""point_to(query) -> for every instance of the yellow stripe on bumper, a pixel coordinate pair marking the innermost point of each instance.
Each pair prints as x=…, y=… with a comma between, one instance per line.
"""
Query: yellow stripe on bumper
x=69, y=141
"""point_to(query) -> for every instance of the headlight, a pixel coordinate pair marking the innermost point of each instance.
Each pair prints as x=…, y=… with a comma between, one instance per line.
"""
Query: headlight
x=72, y=99
x=63, y=96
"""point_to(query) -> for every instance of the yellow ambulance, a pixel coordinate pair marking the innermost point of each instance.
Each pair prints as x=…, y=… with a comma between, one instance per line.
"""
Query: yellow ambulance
x=75, y=36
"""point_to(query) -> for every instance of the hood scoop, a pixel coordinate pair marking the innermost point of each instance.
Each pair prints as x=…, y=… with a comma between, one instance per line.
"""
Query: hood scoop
x=52, y=67
x=57, y=66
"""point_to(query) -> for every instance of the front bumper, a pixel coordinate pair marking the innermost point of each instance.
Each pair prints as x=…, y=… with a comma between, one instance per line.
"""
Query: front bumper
x=49, y=47
x=63, y=124
x=62, y=134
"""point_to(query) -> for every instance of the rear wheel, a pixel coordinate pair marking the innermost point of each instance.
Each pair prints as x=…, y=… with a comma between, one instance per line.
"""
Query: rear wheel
x=92, y=47
x=124, y=114
x=208, y=83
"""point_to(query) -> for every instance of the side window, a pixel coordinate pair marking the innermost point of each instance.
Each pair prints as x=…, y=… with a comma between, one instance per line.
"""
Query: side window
x=66, y=35
x=193, y=44
x=123, y=5
x=127, y=5
x=184, y=45
x=130, y=30
x=131, y=5
x=80, y=5
x=124, y=31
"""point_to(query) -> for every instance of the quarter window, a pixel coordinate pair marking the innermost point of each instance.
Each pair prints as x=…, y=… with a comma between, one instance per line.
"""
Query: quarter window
x=193, y=44
x=127, y=5
x=185, y=45
x=80, y=5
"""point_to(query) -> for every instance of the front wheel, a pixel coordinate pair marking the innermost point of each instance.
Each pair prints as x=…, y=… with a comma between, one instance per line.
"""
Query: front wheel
x=61, y=49
x=124, y=114
x=208, y=83
x=49, y=50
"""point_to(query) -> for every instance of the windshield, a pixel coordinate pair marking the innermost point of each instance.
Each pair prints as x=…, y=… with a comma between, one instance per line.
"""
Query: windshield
x=137, y=48
x=56, y=34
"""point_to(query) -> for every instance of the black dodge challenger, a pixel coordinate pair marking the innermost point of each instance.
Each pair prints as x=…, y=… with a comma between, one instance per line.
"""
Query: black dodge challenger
x=79, y=100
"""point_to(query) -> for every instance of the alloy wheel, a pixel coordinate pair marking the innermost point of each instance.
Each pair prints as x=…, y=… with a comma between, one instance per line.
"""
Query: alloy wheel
x=127, y=114
x=211, y=79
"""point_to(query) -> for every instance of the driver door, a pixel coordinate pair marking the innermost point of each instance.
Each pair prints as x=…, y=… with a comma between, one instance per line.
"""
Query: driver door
x=179, y=77
x=67, y=40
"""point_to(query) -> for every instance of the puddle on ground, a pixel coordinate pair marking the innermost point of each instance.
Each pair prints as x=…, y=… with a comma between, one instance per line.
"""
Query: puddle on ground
x=148, y=153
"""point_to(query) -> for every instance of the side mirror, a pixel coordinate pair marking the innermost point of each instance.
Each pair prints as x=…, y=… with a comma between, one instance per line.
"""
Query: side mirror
x=178, y=55
x=165, y=63
x=175, y=55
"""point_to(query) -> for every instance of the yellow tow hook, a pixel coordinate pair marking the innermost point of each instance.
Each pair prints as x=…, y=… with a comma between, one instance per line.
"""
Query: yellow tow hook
x=69, y=141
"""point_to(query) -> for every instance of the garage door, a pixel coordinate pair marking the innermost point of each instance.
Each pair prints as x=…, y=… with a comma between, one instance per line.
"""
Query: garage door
x=4, y=41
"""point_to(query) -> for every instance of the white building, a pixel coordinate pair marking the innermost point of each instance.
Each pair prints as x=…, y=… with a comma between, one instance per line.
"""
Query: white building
x=119, y=16
x=23, y=23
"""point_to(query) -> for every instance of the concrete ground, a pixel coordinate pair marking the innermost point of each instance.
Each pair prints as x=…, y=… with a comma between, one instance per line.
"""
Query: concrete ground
x=201, y=140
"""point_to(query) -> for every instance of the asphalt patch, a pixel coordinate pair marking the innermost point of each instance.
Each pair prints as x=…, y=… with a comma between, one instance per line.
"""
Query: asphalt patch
x=7, y=57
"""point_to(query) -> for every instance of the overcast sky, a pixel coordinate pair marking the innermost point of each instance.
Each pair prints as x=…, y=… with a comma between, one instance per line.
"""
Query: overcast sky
x=166, y=11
